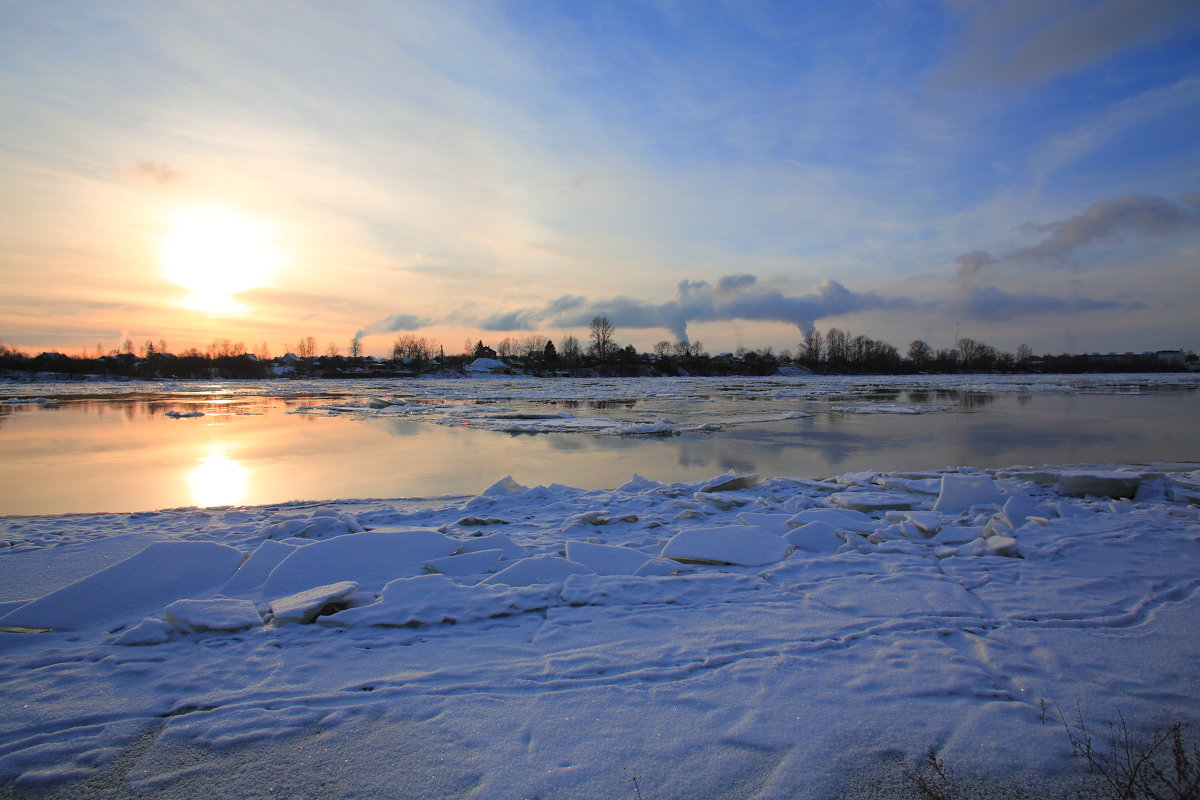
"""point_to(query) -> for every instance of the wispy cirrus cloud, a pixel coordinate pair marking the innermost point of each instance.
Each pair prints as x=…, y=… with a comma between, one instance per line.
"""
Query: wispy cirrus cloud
x=1161, y=105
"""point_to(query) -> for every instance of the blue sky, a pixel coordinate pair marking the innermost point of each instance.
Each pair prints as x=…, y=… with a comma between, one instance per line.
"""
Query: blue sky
x=1018, y=172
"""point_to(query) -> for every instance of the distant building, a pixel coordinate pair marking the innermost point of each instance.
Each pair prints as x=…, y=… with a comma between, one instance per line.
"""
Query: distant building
x=1173, y=357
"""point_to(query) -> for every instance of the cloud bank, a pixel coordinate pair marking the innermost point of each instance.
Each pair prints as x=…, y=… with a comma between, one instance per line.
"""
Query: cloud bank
x=1102, y=222
x=741, y=298
x=990, y=304
x=733, y=297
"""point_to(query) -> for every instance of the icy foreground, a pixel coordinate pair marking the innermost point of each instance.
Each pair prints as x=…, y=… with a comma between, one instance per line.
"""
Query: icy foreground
x=735, y=638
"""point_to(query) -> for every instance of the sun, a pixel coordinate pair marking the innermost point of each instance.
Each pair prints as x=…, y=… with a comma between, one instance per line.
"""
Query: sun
x=218, y=480
x=216, y=253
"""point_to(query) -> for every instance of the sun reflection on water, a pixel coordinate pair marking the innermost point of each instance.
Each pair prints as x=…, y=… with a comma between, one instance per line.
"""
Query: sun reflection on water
x=218, y=480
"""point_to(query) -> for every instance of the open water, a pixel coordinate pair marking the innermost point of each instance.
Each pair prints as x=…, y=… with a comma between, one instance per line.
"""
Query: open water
x=113, y=447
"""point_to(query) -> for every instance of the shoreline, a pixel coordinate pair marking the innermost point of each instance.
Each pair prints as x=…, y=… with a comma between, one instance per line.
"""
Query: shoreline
x=776, y=637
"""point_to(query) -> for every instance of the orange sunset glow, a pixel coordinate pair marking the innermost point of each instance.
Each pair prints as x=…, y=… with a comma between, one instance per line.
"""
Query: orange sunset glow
x=217, y=253
x=192, y=172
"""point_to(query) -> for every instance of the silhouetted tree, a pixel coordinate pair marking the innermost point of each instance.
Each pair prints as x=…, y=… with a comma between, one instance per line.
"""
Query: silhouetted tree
x=533, y=346
x=975, y=355
x=601, y=333
x=920, y=353
x=415, y=349
x=837, y=346
x=571, y=349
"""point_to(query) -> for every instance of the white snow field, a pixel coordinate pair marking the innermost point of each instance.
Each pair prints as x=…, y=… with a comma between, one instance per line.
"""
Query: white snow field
x=733, y=638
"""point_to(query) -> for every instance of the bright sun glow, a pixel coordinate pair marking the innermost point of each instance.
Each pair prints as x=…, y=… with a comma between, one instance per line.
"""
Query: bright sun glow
x=218, y=480
x=215, y=253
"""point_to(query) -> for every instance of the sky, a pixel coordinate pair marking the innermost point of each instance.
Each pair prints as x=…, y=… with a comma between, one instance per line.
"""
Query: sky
x=734, y=173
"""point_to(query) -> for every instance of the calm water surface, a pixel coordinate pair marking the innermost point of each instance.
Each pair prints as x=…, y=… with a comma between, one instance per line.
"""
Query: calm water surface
x=126, y=454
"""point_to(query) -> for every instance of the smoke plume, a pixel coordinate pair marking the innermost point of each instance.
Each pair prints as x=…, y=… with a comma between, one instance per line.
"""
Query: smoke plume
x=391, y=324
x=733, y=297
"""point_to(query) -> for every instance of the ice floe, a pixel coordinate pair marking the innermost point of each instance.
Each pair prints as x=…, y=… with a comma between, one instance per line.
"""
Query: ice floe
x=157, y=575
x=307, y=605
x=740, y=545
x=371, y=559
x=217, y=614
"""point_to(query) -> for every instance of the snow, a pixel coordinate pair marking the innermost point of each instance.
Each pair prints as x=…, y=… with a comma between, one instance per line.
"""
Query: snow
x=475, y=563
x=217, y=614
x=605, y=559
x=874, y=501
x=1101, y=483
x=820, y=537
x=305, y=606
x=254, y=570
x=961, y=492
x=159, y=574
x=485, y=366
x=435, y=599
x=839, y=518
x=741, y=545
x=370, y=559
x=731, y=483
x=741, y=636
x=494, y=541
x=537, y=569
x=151, y=630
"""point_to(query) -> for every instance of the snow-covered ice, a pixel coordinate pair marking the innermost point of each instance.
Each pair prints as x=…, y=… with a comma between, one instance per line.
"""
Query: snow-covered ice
x=741, y=545
x=158, y=574
x=729, y=638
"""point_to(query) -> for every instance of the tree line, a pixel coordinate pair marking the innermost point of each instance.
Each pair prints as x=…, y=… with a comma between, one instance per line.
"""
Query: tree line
x=834, y=351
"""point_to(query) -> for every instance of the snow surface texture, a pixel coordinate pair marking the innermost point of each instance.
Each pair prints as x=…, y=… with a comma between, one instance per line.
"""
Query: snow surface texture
x=731, y=638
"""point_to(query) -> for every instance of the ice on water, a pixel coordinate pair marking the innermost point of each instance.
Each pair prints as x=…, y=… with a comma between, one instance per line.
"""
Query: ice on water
x=667, y=406
x=740, y=636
